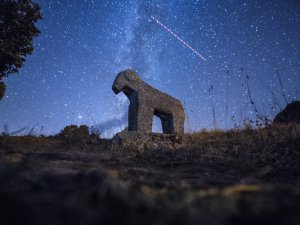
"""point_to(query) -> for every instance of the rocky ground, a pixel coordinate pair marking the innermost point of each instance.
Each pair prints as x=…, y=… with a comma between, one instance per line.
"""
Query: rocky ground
x=234, y=177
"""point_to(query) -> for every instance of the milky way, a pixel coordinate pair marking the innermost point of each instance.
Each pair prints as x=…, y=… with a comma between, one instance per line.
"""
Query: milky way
x=84, y=44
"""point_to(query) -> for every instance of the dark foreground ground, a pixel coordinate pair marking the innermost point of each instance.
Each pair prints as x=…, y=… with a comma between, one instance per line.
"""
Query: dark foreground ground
x=235, y=177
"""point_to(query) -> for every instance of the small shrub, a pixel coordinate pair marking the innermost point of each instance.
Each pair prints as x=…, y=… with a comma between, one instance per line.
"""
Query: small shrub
x=74, y=135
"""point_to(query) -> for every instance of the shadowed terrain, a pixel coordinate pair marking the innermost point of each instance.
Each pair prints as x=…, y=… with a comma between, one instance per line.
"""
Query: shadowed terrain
x=234, y=177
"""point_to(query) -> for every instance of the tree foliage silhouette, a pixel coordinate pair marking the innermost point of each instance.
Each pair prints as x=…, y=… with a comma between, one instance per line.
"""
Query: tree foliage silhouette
x=17, y=30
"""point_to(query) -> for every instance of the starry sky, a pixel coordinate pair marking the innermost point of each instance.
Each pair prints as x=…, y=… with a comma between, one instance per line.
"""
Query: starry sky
x=84, y=44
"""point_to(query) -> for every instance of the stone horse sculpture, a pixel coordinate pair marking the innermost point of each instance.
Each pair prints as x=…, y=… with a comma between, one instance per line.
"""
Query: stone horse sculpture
x=146, y=101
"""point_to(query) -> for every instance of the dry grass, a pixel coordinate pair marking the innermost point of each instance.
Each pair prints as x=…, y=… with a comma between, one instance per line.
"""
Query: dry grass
x=235, y=177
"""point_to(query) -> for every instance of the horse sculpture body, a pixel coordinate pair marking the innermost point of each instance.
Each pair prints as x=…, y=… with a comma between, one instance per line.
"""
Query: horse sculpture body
x=146, y=101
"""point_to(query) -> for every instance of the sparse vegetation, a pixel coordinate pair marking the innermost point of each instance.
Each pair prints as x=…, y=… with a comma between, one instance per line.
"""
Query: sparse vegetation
x=73, y=135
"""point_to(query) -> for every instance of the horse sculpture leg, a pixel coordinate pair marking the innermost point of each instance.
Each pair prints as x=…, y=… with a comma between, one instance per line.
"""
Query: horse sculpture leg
x=145, y=118
x=133, y=117
x=140, y=118
x=178, y=122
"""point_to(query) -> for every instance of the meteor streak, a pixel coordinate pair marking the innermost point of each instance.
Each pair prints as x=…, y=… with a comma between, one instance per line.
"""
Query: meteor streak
x=177, y=37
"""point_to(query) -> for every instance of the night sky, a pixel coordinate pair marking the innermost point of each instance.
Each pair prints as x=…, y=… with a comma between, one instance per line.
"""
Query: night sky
x=84, y=44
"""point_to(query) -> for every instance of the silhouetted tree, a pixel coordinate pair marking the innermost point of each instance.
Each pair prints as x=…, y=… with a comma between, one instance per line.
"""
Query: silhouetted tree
x=2, y=89
x=17, y=29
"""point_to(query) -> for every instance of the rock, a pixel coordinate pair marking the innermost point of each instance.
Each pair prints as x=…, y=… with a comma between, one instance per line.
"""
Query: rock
x=291, y=114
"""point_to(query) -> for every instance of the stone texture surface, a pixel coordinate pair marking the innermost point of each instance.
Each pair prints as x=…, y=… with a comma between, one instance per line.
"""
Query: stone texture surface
x=146, y=101
x=291, y=114
x=141, y=141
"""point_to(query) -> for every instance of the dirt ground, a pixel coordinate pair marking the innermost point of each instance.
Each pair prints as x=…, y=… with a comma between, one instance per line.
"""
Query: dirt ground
x=234, y=177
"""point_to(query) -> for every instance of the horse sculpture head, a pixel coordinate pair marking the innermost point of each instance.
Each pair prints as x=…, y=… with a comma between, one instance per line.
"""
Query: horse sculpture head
x=125, y=80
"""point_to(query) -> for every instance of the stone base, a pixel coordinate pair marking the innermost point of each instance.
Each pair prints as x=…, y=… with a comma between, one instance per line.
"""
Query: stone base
x=142, y=141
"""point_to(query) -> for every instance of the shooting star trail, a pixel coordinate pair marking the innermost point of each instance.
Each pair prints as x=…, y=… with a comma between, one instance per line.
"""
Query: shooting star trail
x=177, y=37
